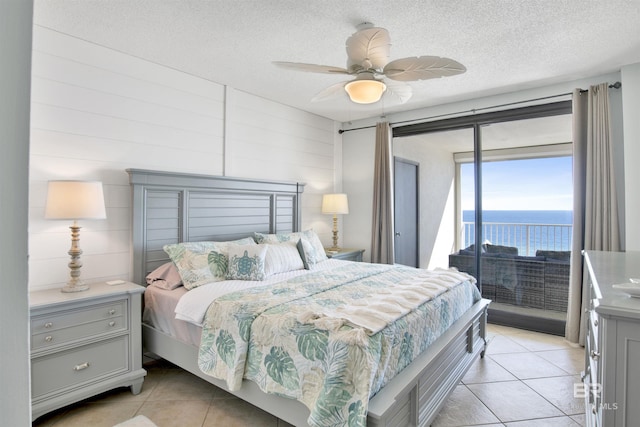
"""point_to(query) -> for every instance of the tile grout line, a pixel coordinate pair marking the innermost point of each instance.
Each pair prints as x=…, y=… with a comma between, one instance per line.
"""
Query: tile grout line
x=485, y=405
x=517, y=379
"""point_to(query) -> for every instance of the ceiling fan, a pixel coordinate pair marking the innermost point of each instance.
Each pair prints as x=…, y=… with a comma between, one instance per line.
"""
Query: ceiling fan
x=368, y=60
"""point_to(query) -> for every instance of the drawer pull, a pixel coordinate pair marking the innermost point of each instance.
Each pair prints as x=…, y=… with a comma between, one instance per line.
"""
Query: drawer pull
x=595, y=355
x=595, y=322
x=48, y=338
x=48, y=325
x=81, y=366
x=594, y=410
x=112, y=311
x=112, y=323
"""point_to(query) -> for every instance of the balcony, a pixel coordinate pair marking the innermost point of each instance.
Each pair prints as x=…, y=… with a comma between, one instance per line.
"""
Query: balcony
x=524, y=266
x=528, y=238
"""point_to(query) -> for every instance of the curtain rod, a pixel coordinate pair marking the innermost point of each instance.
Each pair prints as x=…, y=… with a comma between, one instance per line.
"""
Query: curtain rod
x=616, y=85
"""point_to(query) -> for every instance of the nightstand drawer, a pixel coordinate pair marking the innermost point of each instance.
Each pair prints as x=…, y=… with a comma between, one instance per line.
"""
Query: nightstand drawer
x=60, y=371
x=74, y=333
x=90, y=313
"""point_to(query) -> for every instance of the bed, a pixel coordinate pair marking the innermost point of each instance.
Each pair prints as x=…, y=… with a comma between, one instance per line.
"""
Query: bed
x=170, y=208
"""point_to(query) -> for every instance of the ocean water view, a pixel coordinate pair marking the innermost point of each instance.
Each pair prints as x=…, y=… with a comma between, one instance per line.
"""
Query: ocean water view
x=522, y=217
x=528, y=230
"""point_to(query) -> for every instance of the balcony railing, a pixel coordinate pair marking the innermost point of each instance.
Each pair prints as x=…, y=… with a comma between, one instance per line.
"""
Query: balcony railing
x=537, y=282
x=528, y=238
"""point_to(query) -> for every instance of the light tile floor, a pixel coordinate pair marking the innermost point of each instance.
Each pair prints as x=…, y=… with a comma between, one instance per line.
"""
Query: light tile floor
x=525, y=380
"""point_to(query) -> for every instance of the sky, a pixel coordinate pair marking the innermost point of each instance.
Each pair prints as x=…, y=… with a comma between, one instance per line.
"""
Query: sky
x=532, y=184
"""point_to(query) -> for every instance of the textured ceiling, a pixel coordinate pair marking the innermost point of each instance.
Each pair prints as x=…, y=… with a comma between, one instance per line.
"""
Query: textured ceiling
x=506, y=45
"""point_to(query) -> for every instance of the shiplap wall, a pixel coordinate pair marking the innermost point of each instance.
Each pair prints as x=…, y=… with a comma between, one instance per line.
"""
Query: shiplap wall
x=96, y=112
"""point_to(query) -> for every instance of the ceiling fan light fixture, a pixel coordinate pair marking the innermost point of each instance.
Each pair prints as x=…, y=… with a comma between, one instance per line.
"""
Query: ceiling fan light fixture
x=365, y=91
x=367, y=58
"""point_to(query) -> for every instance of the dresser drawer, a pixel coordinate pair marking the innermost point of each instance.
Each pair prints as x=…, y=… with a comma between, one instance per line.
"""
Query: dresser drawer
x=50, y=330
x=66, y=335
x=592, y=404
x=75, y=367
x=89, y=313
x=594, y=327
x=592, y=350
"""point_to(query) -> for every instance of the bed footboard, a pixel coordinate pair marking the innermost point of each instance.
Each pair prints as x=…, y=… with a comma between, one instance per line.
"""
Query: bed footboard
x=413, y=398
x=416, y=395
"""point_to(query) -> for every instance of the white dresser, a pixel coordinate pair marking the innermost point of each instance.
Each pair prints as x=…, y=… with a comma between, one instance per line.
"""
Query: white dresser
x=612, y=368
x=84, y=343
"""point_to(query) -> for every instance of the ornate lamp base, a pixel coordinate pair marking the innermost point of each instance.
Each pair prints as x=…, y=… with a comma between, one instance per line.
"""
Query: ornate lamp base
x=74, y=288
x=335, y=234
x=75, y=284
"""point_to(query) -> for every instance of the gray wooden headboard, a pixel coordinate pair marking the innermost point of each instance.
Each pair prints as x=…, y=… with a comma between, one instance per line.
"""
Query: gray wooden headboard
x=171, y=207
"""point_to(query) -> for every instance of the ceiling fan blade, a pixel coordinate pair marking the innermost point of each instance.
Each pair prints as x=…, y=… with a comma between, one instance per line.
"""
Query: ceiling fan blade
x=398, y=91
x=311, y=68
x=368, y=48
x=422, y=68
x=330, y=92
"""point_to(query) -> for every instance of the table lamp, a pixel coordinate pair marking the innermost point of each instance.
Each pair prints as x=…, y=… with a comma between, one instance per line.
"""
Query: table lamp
x=75, y=200
x=336, y=204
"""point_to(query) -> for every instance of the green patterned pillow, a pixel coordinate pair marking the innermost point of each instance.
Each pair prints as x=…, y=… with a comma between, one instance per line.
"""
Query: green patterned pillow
x=309, y=254
x=196, y=262
x=318, y=249
x=247, y=262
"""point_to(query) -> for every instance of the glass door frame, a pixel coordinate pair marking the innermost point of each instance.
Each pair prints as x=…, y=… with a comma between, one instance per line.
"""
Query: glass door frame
x=475, y=122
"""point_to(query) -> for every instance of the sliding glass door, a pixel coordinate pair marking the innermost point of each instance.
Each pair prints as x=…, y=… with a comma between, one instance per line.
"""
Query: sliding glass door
x=499, y=183
x=526, y=220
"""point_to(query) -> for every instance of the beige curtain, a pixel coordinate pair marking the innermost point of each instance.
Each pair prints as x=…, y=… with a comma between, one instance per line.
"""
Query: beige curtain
x=382, y=224
x=595, y=206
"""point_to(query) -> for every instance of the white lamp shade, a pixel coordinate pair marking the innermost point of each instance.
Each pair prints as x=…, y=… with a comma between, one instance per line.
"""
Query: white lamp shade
x=365, y=91
x=335, y=204
x=75, y=200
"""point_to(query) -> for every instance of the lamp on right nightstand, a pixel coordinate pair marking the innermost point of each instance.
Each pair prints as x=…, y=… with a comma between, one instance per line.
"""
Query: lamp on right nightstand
x=335, y=204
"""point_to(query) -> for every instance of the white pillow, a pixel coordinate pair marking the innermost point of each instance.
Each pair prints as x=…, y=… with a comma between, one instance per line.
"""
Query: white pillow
x=295, y=237
x=281, y=258
x=246, y=262
x=277, y=238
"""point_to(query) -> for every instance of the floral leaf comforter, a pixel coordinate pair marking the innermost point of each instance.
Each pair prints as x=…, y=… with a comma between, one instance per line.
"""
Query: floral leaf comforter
x=300, y=338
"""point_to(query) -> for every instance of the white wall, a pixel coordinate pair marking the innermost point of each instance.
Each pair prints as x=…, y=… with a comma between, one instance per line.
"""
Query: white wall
x=437, y=199
x=97, y=112
x=631, y=114
x=15, y=51
x=265, y=139
x=357, y=182
x=358, y=146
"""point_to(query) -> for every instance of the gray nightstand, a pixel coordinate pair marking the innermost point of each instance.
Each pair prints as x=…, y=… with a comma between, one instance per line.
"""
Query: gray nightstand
x=346, y=254
x=84, y=343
